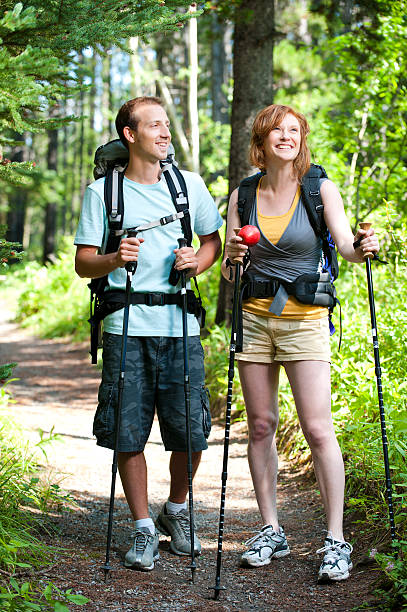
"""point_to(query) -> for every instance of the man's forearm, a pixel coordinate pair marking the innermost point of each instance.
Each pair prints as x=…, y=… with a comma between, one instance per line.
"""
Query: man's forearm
x=208, y=253
x=93, y=265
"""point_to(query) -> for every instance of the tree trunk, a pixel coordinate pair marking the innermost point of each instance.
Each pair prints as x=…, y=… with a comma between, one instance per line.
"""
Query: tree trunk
x=252, y=90
x=17, y=200
x=193, y=89
x=49, y=241
x=218, y=71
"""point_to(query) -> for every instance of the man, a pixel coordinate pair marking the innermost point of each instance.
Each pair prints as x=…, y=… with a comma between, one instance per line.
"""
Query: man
x=154, y=362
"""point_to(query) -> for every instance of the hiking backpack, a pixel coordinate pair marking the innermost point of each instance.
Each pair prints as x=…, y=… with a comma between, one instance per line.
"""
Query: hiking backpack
x=110, y=162
x=315, y=288
x=311, y=198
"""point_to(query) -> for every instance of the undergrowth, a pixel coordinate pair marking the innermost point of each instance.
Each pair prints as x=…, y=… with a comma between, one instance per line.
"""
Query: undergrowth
x=25, y=501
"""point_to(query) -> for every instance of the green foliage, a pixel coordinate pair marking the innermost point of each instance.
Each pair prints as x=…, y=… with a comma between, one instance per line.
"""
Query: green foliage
x=393, y=592
x=216, y=348
x=52, y=300
x=214, y=154
x=6, y=371
x=368, y=126
x=38, y=66
x=8, y=249
x=21, y=550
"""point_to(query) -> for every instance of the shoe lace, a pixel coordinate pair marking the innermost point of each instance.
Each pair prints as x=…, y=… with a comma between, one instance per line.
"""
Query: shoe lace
x=183, y=520
x=142, y=539
x=335, y=548
x=261, y=538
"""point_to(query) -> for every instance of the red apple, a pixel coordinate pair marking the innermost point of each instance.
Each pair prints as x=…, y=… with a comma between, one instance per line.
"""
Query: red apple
x=250, y=235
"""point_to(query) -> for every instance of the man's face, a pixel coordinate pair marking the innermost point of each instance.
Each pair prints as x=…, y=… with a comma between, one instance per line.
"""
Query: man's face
x=152, y=137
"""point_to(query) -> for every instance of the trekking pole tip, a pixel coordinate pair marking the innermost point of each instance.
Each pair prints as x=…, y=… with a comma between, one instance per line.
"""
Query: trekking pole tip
x=217, y=588
x=193, y=569
x=106, y=568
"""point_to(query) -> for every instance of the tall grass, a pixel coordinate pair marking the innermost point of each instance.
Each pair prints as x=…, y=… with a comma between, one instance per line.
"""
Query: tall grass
x=24, y=503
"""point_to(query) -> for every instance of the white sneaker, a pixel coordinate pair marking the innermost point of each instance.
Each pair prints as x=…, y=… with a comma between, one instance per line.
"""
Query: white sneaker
x=265, y=545
x=336, y=563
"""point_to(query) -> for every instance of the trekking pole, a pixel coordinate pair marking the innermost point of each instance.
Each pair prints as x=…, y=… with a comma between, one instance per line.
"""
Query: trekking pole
x=130, y=270
x=182, y=242
x=231, y=374
x=378, y=372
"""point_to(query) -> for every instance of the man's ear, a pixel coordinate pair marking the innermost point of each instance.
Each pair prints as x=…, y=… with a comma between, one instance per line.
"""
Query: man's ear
x=128, y=134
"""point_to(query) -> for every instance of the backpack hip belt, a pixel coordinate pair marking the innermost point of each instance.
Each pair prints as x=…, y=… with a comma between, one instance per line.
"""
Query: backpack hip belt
x=316, y=289
x=112, y=301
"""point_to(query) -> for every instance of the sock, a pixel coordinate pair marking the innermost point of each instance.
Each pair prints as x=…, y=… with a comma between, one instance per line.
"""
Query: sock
x=145, y=522
x=173, y=508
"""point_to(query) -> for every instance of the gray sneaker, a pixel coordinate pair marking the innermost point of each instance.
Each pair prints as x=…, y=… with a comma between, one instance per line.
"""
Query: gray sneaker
x=144, y=551
x=265, y=545
x=177, y=526
x=336, y=563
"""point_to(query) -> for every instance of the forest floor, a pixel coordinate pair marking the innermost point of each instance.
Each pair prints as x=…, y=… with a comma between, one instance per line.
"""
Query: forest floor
x=57, y=389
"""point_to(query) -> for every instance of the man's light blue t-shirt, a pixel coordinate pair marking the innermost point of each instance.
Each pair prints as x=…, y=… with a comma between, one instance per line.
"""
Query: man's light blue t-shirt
x=142, y=204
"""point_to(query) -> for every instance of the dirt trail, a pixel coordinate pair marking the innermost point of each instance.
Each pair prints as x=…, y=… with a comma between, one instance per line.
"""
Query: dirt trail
x=57, y=388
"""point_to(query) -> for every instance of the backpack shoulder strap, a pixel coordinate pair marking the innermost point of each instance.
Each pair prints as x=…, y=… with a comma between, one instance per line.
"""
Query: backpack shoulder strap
x=247, y=196
x=179, y=195
x=114, y=203
x=311, y=197
x=312, y=200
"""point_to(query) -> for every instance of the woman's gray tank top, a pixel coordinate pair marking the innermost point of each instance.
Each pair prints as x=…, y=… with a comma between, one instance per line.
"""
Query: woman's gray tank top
x=299, y=251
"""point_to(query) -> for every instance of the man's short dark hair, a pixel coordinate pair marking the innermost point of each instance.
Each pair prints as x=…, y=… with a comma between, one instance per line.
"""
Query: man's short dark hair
x=127, y=114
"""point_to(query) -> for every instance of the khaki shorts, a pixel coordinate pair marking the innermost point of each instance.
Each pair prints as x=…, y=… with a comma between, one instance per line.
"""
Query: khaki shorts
x=268, y=339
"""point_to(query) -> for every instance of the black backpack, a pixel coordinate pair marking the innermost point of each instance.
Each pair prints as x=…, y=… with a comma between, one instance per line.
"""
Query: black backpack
x=111, y=161
x=311, y=198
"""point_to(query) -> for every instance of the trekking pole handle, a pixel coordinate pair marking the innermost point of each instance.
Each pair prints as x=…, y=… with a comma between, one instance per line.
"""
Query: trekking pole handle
x=182, y=242
x=366, y=226
x=131, y=266
x=238, y=259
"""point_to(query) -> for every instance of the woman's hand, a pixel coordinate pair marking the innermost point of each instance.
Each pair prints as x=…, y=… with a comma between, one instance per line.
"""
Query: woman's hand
x=235, y=249
x=368, y=242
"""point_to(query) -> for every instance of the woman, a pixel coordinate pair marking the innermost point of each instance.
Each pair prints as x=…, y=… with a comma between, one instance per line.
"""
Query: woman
x=297, y=337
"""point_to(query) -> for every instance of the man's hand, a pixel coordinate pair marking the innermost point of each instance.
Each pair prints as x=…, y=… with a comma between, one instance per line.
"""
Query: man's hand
x=186, y=259
x=128, y=251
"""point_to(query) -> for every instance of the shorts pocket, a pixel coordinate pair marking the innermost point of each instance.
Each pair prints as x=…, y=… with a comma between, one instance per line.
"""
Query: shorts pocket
x=104, y=420
x=206, y=413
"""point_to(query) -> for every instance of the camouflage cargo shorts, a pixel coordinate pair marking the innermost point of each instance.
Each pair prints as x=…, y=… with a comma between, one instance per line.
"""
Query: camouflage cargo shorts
x=154, y=380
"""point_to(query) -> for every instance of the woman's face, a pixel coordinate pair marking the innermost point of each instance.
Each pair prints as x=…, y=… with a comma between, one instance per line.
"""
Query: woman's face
x=283, y=142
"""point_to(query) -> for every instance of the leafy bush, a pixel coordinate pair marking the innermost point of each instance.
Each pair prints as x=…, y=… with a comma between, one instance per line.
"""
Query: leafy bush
x=8, y=250
x=21, y=550
x=393, y=593
x=216, y=347
x=52, y=299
